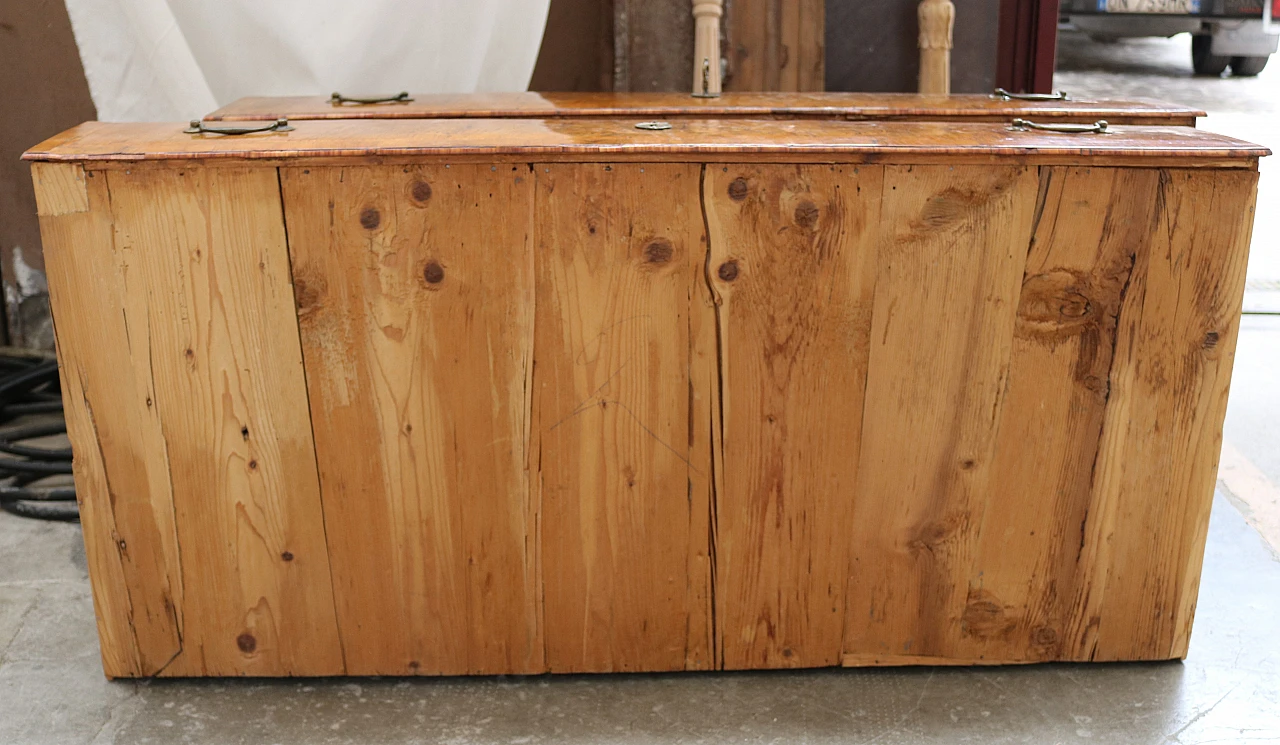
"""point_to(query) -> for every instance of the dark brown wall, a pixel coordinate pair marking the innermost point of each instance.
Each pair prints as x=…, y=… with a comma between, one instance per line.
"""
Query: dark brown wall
x=871, y=45
x=647, y=45
x=615, y=45
x=653, y=39
x=42, y=92
x=577, y=47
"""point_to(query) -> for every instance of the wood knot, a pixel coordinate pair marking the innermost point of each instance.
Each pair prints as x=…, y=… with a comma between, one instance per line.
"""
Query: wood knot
x=287, y=556
x=1044, y=636
x=984, y=616
x=928, y=537
x=433, y=273
x=968, y=464
x=1055, y=305
x=246, y=643
x=1096, y=384
x=420, y=192
x=370, y=218
x=807, y=215
x=728, y=271
x=738, y=189
x=1210, y=340
x=658, y=251
x=414, y=664
x=244, y=433
x=253, y=465
x=307, y=294
x=948, y=208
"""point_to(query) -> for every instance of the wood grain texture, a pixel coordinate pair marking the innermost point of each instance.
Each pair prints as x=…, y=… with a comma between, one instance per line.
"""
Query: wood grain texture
x=652, y=45
x=619, y=250
x=776, y=45
x=704, y=648
x=688, y=140
x=216, y=307
x=950, y=266
x=415, y=298
x=614, y=416
x=1091, y=224
x=793, y=251
x=731, y=104
x=60, y=189
x=98, y=296
x=1158, y=455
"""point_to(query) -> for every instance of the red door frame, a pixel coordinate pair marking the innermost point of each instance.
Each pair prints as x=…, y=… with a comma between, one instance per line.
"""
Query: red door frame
x=1028, y=45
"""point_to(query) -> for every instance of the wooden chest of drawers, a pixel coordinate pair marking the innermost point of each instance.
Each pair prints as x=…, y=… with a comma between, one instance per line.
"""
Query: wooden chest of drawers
x=466, y=397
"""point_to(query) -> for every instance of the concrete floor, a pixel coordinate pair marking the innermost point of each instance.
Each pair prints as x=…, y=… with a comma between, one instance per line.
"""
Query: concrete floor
x=1228, y=690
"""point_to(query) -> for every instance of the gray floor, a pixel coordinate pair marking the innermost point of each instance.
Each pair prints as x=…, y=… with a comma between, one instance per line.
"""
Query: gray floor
x=1228, y=690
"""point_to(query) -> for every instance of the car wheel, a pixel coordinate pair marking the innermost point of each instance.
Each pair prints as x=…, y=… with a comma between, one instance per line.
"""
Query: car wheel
x=1247, y=67
x=1204, y=62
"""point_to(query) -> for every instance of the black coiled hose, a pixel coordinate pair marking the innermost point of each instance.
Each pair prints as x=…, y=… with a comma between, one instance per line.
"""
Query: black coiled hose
x=31, y=408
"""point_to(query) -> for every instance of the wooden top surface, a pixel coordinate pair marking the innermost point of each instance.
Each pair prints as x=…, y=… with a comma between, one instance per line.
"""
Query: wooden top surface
x=688, y=139
x=747, y=105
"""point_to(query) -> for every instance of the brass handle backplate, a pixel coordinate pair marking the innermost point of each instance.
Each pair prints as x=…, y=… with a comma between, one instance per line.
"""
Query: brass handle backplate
x=200, y=128
x=1099, y=127
x=337, y=99
x=1005, y=95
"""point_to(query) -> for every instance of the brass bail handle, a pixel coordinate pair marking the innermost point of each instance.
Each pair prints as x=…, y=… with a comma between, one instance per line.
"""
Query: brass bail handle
x=337, y=99
x=200, y=128
x=1005, y=95
x=1099, y=127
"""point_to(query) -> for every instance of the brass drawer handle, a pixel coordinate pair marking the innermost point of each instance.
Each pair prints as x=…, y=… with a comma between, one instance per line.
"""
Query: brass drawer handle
x=337, y=99
x=1005, y=95
x=1099, y=127
x=200, y=128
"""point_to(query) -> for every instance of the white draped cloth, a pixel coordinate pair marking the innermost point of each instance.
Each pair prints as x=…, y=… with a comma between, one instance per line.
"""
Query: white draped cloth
x=174, y=60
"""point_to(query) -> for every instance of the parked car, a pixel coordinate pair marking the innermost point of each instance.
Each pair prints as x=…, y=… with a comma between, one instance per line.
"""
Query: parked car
x=1239, y=34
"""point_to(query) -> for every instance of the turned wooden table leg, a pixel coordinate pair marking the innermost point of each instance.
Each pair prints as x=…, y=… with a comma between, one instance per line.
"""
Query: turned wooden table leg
x=706, y=47
x=937, y=18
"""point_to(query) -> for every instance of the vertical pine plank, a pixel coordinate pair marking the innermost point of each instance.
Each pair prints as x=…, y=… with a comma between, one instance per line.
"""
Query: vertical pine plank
x=792, y=263
x=415, y=294
x=950, y=266
x=703, y=651
x=810, y=58
x=208, y=247
x=776, y=45
x=616, y=265
x=1158, y=458
x=98, y=296
x=1091, y=225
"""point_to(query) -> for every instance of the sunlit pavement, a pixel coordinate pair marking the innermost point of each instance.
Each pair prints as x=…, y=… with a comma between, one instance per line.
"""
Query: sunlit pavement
x=1247, y=108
